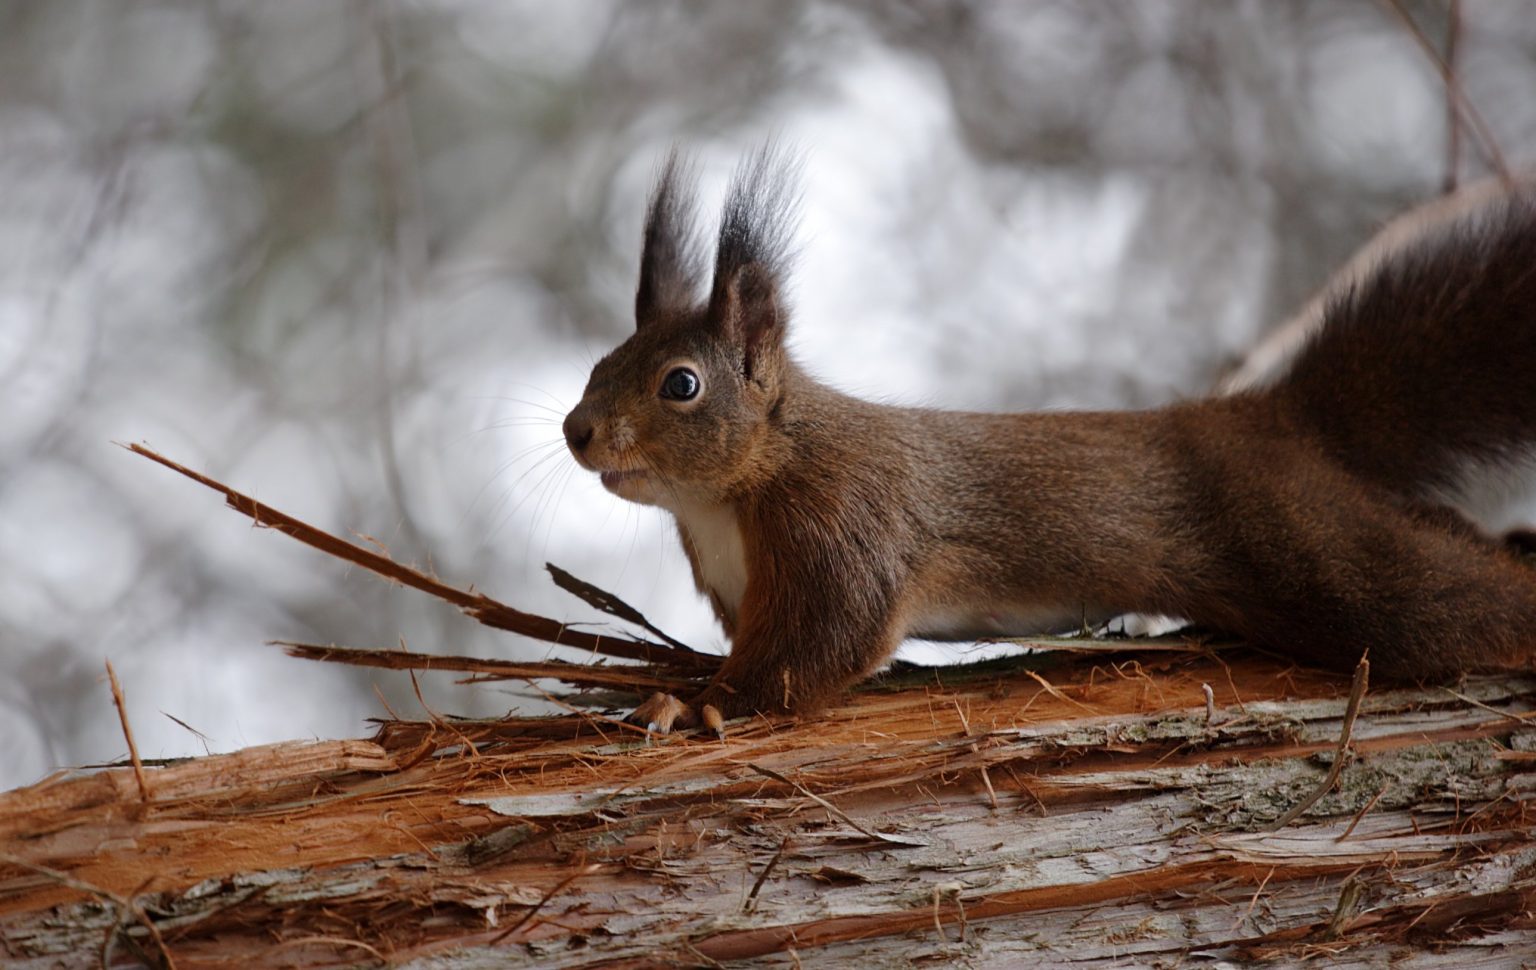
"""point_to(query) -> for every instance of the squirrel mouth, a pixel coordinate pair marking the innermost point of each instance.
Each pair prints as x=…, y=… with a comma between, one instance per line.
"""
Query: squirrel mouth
x=611, y=479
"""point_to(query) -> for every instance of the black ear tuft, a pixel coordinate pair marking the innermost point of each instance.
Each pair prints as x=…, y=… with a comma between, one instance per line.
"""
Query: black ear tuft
x=671, y=261
x=757, y=228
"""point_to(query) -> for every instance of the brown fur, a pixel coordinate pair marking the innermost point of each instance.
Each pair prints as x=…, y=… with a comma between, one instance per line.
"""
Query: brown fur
x=1302, y=517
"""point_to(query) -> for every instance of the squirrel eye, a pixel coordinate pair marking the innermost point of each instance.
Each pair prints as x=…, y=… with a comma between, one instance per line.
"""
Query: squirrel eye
x=680, y=384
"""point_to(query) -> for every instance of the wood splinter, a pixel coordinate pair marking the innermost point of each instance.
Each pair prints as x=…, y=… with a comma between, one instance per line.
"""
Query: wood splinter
x=949, y=890
x=133, y=749
x=1351, y=711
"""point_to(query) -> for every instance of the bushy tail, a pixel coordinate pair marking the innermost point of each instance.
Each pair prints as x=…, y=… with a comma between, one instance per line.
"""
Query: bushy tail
x=1430, y=362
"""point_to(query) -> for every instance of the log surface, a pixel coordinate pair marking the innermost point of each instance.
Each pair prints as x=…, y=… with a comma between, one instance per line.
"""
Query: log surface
x=1092, y=815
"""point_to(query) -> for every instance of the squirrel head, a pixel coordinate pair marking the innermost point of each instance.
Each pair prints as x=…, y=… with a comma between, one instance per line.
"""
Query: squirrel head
x=682, y=410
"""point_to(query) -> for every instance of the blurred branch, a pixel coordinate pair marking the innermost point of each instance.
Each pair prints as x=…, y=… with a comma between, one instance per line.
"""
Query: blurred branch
x=1452, y=116
x=1481, y=134
x=402, y=269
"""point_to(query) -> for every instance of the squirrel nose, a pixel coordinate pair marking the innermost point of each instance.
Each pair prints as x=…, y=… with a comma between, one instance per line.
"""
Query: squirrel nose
x=578, y=432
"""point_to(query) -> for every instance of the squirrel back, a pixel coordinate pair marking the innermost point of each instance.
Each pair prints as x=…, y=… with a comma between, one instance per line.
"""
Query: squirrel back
x=1307, y=517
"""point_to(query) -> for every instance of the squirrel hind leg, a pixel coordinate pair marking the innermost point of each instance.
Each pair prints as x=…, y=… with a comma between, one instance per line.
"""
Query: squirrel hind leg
x=1431, y=593
x=1520, y=542
x=1447, y=518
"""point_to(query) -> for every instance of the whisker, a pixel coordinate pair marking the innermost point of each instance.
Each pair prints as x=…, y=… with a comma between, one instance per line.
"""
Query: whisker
x=524, y=453
x=504, y=466
x=554, y=509
x=539, y=423
x=559, y=412
x=541, y=500
x=507, y=495
x=661, y=561
x=657, y=474
x=537, y=493
x=534, y=387
x=577, y=366
x=634, y=538
x=608, y=515
x=521, y=420
x=629, y=516
x=517, y=423
x=554, y=493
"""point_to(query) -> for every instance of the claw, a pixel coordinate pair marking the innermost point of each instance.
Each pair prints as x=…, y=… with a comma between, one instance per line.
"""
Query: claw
x=710, y=715
x=660, y=713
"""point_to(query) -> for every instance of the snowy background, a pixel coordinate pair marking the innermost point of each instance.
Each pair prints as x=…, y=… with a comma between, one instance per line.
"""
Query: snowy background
x=356, y=258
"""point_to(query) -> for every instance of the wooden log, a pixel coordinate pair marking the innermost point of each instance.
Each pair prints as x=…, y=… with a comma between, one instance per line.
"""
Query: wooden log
x=1097, y=815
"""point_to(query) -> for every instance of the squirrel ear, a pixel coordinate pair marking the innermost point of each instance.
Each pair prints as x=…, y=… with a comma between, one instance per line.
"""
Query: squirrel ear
x=752, y=256
x=747, y=308
x=671, y=264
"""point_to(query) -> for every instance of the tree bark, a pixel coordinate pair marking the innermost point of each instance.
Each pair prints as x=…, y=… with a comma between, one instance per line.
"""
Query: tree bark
x=971, y=816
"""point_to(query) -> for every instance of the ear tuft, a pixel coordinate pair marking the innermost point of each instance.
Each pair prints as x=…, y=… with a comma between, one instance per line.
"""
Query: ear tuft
x=671, y=260
x=757, y=227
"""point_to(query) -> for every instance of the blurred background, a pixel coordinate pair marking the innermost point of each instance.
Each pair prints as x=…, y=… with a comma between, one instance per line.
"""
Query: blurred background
x=355, y=258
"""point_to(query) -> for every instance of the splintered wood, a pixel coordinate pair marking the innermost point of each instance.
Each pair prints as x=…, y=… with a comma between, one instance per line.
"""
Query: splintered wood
x=1121, y=829
x=1102, y=805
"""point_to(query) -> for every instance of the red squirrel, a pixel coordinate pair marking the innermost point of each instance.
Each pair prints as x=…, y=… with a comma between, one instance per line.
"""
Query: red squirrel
x=1302, y=516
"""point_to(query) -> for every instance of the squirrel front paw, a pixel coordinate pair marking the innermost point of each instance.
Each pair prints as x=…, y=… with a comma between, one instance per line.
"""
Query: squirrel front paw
x=660, y=713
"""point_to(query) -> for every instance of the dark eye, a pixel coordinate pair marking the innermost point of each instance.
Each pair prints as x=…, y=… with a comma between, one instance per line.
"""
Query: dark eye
x=680, y=384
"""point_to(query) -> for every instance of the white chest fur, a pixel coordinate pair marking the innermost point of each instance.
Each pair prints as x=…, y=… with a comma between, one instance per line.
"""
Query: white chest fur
x=722, y=559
